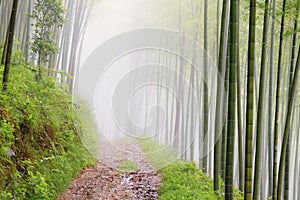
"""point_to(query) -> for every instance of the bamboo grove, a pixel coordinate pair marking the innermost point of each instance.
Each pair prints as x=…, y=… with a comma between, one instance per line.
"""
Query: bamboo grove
x=241, y=122
x=247, y=136
x=255, y=44
x=52, y=43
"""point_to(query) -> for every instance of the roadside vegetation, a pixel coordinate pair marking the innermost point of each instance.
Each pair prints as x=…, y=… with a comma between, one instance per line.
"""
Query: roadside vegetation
x=182, y=179
x=40, y=147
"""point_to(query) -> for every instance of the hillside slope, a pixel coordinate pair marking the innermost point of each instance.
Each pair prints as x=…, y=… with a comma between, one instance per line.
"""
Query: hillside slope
x=40, y=149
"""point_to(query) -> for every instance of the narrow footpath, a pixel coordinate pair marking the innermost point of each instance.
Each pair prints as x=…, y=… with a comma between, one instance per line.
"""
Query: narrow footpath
x=108, y=181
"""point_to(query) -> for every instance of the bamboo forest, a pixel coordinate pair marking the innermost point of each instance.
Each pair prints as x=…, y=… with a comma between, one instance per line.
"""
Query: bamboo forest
x=149, y=99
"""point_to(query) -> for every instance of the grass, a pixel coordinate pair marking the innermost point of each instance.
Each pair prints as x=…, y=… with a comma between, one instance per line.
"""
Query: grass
x=128, y=166
x=160, y=157
x=40, y=146
x=181, y=179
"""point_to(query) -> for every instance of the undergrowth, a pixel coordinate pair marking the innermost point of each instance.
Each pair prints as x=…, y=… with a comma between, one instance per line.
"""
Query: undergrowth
x=181, y=179
x=158, y=155
x=40, y=149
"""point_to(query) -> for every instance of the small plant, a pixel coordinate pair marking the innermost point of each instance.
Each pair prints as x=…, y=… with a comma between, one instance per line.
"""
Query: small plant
x=127, y=166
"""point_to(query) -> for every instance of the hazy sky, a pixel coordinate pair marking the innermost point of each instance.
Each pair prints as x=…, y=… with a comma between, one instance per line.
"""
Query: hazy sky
x=112, y=17
x=109, y=18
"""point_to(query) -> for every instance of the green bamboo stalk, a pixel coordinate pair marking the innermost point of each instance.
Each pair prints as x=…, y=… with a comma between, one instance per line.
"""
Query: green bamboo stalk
x=229, y=186
x=250, y=102
x=261, y=101
x=9, y=44
x=221, y=66
x=293, y=58
x=270, y=109
x=277, y=111
x=287, y=127
x=205, y=99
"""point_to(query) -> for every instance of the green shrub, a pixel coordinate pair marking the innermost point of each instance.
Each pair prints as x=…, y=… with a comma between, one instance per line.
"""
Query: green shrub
x=40, y=148
x=181, y=179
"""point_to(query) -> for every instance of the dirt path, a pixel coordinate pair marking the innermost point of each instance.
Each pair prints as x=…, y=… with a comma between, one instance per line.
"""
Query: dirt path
x=106, y=181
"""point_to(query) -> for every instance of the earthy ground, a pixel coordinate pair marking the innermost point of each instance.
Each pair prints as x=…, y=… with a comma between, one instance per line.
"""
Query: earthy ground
x=106, y=181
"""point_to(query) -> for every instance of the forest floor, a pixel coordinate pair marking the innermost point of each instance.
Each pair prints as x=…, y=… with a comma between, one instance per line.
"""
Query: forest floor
x=121, y=173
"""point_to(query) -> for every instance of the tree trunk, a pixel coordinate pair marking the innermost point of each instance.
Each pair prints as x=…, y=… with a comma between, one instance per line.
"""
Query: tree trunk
x=225, y=111
x=270, y=110
x=250, y=102
x=287, y=127
x=229, y=193
x=220, y=97
x=179, y=124
x=293, y=57
x=10, y=44
x=278, y=91
x=239, y=121
x=205, y=99
x=4, y=53
x=261, y=102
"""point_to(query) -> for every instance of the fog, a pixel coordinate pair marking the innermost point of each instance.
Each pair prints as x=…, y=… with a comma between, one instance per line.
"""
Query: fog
x=149, y=73
x=213, y=82
x=112, y=17
x=145, y=80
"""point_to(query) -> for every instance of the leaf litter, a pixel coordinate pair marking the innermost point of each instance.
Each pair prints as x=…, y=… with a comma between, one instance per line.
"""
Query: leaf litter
x=105, y=181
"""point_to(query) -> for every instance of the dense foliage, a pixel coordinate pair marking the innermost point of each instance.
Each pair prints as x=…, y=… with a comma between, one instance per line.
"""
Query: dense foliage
x=46, y=14
x=40, y=150
x=182, y=180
